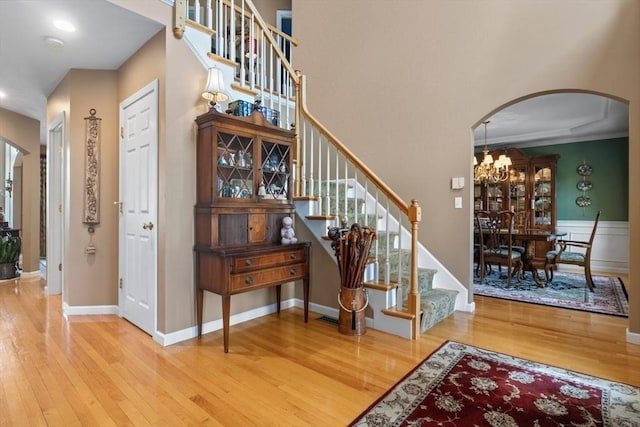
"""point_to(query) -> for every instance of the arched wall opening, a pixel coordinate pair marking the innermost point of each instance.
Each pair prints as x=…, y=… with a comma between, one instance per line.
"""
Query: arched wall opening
x=579, y=127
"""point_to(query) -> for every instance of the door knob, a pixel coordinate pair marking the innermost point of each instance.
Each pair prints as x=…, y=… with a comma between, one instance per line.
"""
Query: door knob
x=148, y=226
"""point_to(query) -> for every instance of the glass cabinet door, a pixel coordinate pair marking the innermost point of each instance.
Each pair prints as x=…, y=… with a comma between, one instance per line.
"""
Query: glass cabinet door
x=543, y=195
x=477, y=197
x=234, y=175
x=495, y=198
x=518, y=195
x=275, y=171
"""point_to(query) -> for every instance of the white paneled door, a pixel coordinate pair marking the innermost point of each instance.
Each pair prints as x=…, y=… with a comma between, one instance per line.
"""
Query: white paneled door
x=56, y=189
x=138, y=207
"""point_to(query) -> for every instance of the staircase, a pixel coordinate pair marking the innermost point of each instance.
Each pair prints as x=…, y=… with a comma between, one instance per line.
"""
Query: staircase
x=409, y=290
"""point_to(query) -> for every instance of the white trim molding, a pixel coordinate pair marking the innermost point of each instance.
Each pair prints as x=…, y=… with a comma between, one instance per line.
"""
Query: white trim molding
x=610, y=251
x=632, y=337
x=68, y=310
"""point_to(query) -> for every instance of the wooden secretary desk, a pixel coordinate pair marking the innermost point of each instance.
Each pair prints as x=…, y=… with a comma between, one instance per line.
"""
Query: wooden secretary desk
x=244, y=182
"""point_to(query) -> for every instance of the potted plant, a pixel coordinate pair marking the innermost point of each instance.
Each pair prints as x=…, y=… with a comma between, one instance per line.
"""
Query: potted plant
x=9, y=254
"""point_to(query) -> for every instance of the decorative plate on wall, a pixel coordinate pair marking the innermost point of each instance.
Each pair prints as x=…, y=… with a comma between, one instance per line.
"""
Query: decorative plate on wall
x=583, y=201
x=584, y=170
x=584, y=185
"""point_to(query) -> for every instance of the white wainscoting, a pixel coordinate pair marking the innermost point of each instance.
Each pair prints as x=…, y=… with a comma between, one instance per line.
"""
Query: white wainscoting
x=610, y=251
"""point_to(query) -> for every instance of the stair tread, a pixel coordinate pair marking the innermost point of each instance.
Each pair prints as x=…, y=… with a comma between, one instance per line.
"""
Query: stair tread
x=380, y=285
x=398, y=312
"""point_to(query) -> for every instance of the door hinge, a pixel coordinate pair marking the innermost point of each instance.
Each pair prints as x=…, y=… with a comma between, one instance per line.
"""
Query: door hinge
x=60, y=267
x=60, y=208
x=120, y=283
x=121, y=132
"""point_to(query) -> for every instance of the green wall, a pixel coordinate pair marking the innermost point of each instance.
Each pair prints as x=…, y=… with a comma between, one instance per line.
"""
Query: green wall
x=610, y=178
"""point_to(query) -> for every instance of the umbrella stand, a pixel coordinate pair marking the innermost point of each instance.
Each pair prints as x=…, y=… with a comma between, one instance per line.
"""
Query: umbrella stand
x=351, y=247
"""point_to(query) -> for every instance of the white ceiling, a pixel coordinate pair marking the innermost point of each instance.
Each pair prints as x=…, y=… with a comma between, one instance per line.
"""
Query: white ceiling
x=106, y=35
x=556, y=118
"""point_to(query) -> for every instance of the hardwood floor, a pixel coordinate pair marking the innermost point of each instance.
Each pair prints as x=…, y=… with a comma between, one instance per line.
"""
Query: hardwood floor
x=101, y=370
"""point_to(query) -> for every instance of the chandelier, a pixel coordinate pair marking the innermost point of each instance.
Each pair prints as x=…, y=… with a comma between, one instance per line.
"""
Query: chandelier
x=489, y=171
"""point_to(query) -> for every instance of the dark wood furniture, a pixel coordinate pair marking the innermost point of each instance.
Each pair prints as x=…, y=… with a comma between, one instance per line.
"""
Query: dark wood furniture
x=243, y=193
x=529, y=192
x=530, y=239
x=527, y=238
x=564, y=255
x=494, y=232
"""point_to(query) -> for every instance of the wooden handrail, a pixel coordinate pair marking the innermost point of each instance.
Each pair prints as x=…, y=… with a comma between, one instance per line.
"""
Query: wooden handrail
x=412, y=211
x=180, y=19
x=270, y=27
x=402, y=205
x=272, y=41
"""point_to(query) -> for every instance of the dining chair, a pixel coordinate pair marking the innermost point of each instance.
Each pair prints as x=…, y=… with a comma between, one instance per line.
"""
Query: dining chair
x=519, y=223
x=476, y=249
x=495, y=236
x=562, y=254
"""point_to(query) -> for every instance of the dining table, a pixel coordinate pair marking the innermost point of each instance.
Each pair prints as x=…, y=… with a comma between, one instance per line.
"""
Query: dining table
x=528, y=238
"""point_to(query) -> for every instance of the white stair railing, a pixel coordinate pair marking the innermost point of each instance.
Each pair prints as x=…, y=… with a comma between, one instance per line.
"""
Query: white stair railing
x=342, y=186
x=261, y=54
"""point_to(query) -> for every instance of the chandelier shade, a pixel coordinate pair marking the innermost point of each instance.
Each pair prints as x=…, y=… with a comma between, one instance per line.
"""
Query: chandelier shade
x=490, y=171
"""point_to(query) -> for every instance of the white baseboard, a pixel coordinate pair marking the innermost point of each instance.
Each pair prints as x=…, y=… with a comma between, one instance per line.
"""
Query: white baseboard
x=30, y=274
x=76, y=310
x=215, y=325
x=633, y=337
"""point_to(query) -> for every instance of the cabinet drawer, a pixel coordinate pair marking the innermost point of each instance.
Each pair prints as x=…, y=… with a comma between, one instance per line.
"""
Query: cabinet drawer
x=267, y=276
x=266, y=260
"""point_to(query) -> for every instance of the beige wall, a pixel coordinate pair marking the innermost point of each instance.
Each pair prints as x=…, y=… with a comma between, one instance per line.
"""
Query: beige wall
x=24, y=134
x=90, y=279
x=268, y=9
x=409, y=80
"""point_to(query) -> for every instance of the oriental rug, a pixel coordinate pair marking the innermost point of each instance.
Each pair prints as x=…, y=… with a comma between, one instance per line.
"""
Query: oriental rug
x=567, y=290
x=462, y=385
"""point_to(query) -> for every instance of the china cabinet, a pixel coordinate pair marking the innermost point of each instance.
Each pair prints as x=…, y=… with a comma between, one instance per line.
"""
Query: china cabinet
x=243, y=191
x=529, y=191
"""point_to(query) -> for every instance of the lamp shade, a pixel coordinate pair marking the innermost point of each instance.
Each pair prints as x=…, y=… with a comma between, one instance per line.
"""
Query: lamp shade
x=214, y=90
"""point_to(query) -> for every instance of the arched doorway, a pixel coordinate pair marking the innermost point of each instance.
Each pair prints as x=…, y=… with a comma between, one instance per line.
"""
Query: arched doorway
x=577, y=127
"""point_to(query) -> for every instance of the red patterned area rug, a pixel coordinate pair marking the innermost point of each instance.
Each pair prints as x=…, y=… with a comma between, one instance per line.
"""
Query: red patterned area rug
x=462, y=385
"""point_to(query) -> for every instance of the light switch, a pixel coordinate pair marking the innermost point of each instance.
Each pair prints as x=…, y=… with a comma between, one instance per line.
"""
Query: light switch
x=457, y=202
x=457, y=182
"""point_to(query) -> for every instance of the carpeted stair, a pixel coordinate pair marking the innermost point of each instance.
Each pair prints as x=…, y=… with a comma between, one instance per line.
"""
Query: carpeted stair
x=436, y=304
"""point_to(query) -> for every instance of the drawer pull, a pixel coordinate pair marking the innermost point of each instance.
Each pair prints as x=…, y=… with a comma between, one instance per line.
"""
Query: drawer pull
x=293, y=272
x=248, y=262
x=294, y=255
x=248, y=280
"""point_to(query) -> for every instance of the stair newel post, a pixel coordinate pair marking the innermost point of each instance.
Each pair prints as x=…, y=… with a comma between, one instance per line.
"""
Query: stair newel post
x=413, y=300
x=179, y=18
x=299, y=83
